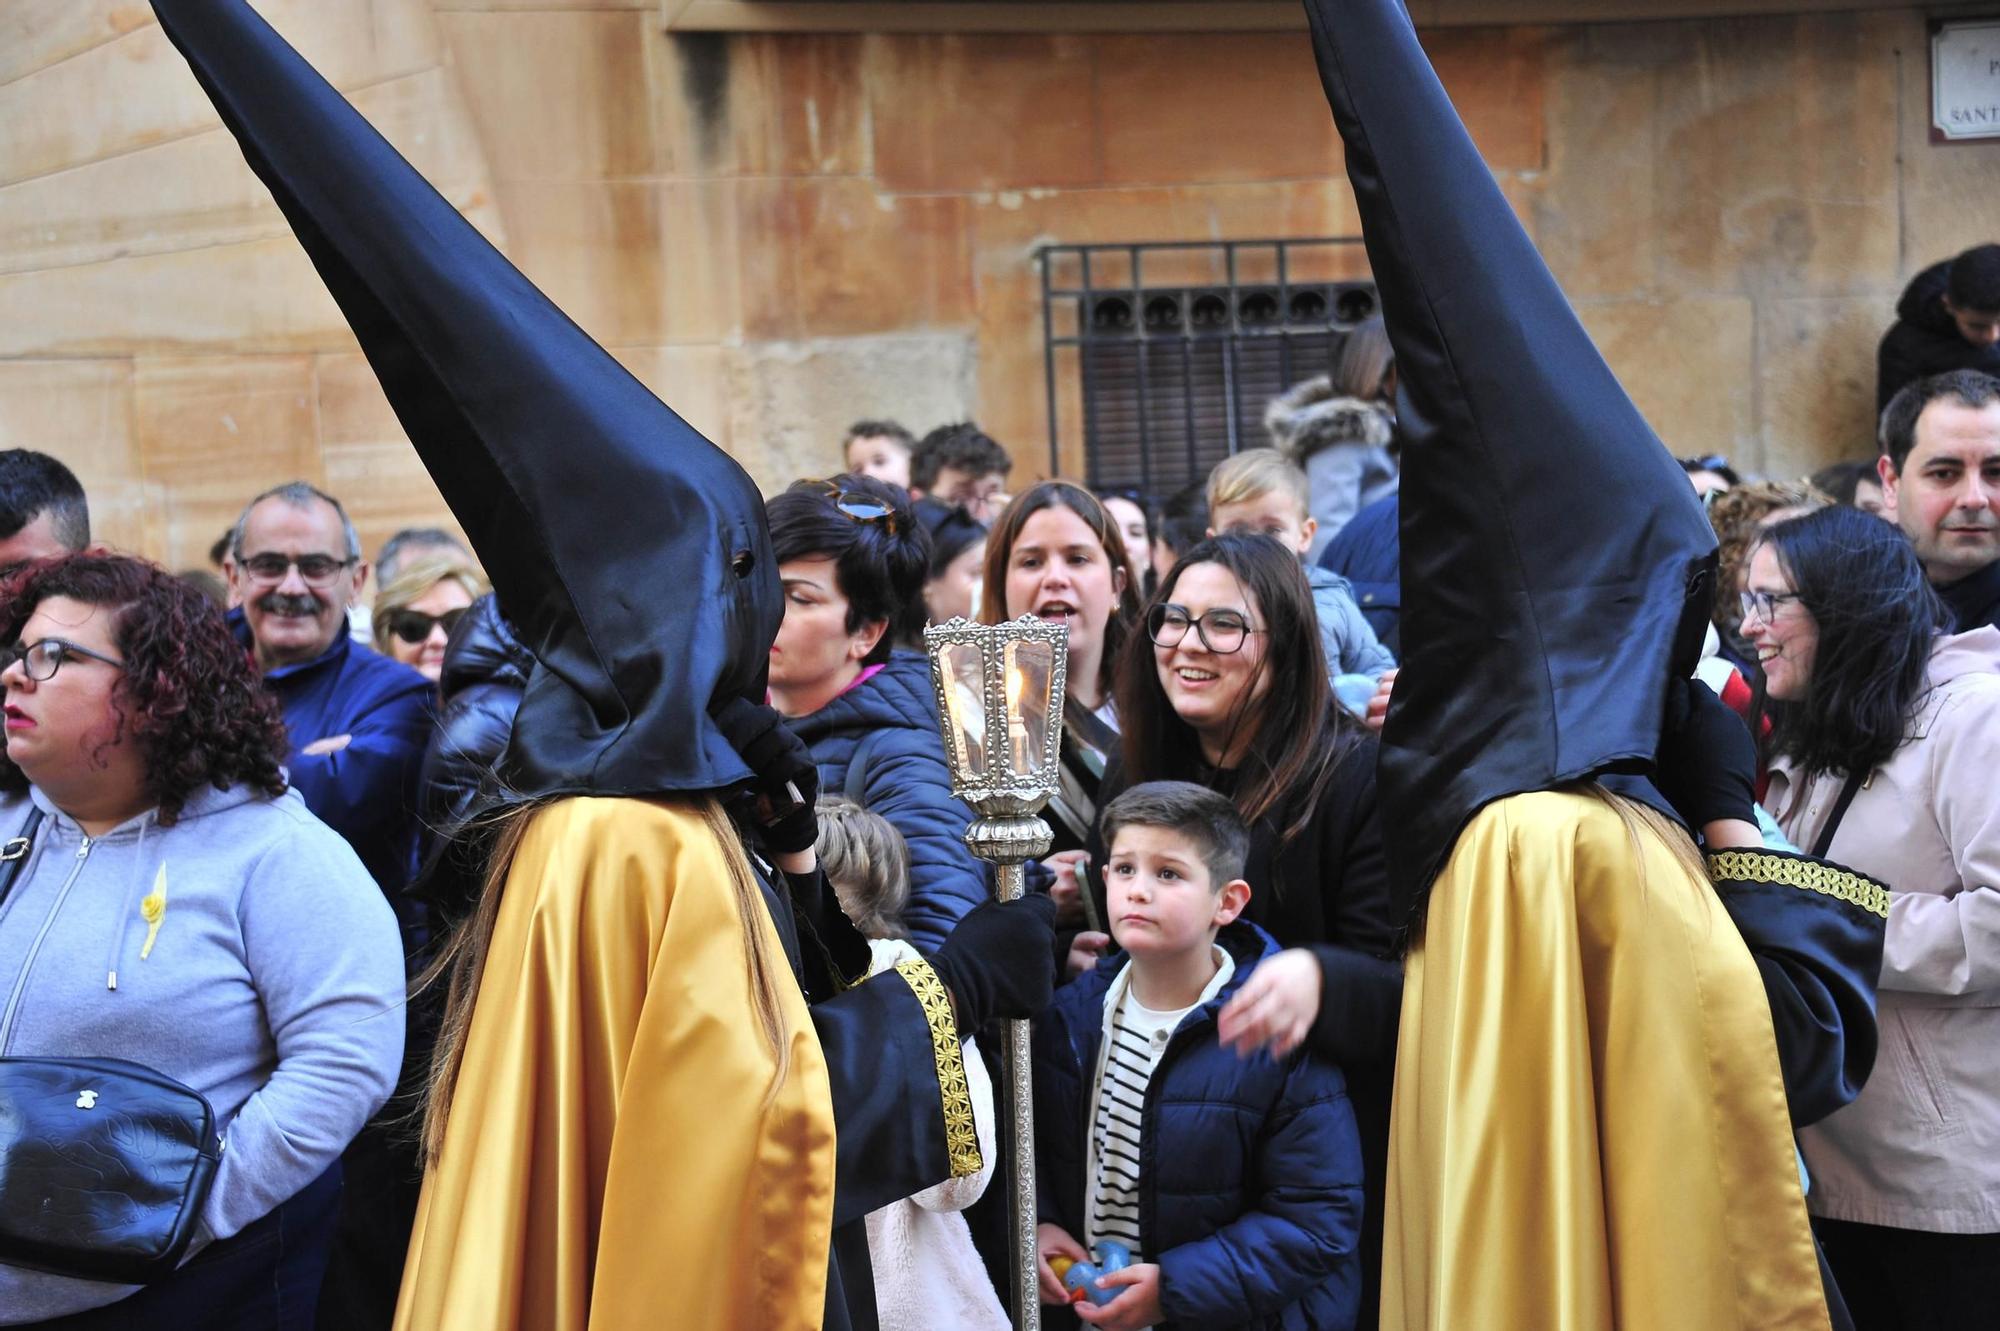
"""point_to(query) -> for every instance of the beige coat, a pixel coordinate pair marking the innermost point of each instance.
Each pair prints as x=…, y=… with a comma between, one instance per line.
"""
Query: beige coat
x=1920, y=1149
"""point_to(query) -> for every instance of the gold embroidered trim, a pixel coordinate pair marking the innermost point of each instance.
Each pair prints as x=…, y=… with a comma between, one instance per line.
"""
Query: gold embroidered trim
x=961, y=1136
x=1753, y=866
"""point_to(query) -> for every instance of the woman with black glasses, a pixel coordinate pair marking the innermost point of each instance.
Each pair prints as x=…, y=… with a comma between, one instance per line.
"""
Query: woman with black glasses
x=851, y=558
x=178, y=907
x=1885, y=740
x=1228, y=689
x=416, y=611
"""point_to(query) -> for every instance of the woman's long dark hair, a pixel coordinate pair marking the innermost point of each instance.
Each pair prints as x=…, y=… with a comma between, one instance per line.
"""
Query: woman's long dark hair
x=1878, y=617
x=1000, y=549
x=190, y=698
x=1300, y=732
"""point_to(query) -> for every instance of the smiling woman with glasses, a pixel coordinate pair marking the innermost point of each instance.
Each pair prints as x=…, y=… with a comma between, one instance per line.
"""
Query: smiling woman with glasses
x=1885, y=738
x=416, y=611
x=1228, y=689
x=172, y=903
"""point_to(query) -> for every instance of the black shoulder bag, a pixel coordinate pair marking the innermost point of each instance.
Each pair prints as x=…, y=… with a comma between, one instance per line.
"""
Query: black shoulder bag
x=104, y=1164
x=1848, y=790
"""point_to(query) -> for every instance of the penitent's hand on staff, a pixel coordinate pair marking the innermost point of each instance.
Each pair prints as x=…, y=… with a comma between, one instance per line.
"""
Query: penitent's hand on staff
x=1276, y=1006
x=999, y=961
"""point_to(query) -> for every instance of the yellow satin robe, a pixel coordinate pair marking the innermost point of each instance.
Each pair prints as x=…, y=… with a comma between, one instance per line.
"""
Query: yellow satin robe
x=1589, y=1129
x=610, y=1161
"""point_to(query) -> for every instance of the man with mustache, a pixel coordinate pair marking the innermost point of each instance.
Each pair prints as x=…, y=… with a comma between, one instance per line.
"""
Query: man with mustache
x=1940, y=469
x=358, y=722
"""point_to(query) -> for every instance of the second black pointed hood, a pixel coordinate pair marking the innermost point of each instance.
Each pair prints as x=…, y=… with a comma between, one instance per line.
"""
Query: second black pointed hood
x=1556, y=563
x=628, y=551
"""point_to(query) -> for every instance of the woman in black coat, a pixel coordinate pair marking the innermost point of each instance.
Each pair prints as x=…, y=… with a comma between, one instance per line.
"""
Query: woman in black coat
x=1228, y=689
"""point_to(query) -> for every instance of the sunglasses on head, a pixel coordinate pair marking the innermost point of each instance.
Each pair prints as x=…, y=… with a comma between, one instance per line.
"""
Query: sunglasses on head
x=859, y=507
x=414, y=626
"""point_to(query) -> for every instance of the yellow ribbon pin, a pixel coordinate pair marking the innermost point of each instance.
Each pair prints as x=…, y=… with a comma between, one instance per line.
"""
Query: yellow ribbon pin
x=154, y=907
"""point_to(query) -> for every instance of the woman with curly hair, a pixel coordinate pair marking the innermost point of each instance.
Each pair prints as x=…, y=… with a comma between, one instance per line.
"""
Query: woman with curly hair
x=178, y=907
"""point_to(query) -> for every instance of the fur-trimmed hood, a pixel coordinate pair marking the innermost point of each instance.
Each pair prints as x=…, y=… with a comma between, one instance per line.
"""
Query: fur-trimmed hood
x=1310, y=416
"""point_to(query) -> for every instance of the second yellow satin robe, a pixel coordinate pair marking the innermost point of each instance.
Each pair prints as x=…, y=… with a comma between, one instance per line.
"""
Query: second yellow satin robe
x=1590, y=1130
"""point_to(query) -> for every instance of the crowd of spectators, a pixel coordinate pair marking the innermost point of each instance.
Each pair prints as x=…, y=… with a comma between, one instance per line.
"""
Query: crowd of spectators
x=307, y=757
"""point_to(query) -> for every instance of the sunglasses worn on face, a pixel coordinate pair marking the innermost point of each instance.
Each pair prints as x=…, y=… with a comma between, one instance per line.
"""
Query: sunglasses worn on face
x=316, y=570
x=41, y=660
x=414, y=626
x=1221, y=631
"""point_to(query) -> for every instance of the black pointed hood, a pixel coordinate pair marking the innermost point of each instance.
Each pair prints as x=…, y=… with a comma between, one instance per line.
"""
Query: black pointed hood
x=629, y=552
x=1556, y=563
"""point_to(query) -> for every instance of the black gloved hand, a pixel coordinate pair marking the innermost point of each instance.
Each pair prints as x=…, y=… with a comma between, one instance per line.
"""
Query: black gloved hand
x=780, y=764
x=999, y=961
x=1707, y=764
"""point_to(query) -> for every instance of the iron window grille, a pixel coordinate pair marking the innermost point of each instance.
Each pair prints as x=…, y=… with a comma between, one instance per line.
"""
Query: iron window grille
x=1172, y=350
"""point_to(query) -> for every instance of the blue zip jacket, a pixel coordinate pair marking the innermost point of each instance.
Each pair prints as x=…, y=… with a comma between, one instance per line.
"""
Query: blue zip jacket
x=1251, y=1167
x=366, y=791
x=905, y=780
x=1368, y=552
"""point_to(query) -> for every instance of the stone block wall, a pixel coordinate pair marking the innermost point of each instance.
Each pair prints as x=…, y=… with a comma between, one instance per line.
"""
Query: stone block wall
x=780, y=233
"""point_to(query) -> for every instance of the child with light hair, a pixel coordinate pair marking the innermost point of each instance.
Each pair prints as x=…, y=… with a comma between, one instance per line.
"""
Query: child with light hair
x=928, y=1276
x=1262, y=492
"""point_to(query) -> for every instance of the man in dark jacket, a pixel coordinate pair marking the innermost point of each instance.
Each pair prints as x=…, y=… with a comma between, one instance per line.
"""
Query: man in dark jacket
x=1948, y=319
x=358, y=720
x=1940, y=470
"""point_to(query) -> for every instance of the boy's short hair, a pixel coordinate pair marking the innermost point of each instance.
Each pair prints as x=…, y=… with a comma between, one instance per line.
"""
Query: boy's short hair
x=867, y=862
x=1253, y=473
x=889, y=430
x=962, y=447
x=1206, y=819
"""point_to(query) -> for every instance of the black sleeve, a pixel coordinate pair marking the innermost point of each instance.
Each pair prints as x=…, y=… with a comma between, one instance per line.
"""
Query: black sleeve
x=1894, y=367
x=902, y=1110
x=1815, y=930
x=1362, y=994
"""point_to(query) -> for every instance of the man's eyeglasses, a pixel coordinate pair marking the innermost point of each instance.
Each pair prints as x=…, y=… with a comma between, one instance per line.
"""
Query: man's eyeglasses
x=316, y=570
x=1221, y=631
x=859, y=507
x=414, y=626
x=1706, y=462
x=1763, y=605
x=41, y=660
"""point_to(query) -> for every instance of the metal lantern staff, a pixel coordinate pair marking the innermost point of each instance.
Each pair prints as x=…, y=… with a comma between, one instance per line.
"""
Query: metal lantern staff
x=1000, y=699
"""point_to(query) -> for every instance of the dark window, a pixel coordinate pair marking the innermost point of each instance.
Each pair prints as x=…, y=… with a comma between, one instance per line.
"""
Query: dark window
x=1168, y=353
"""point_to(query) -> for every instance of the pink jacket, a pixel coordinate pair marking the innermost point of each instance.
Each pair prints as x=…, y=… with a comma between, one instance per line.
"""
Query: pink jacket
x=1920, y=1149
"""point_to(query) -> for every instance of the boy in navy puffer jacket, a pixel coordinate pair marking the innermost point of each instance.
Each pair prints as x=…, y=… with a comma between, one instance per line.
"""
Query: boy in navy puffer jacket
x=1236, y=1184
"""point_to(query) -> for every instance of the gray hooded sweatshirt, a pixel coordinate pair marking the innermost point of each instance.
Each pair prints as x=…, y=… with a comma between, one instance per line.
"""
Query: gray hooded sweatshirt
x=273, y=985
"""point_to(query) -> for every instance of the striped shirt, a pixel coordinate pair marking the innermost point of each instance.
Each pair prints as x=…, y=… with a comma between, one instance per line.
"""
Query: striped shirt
x=1135, y=1037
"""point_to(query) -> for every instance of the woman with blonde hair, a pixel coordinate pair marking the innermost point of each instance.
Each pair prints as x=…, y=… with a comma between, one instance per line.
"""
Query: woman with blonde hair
x=417, y=609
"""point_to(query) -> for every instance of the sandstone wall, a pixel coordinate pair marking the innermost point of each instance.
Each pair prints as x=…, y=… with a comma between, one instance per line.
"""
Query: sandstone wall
x=781, y=233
